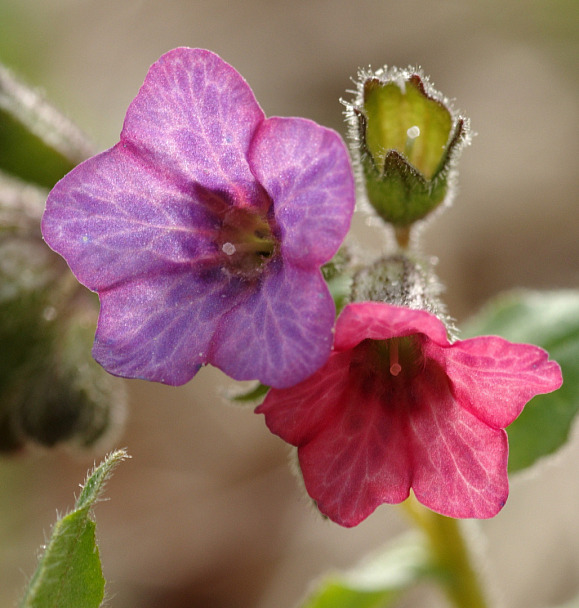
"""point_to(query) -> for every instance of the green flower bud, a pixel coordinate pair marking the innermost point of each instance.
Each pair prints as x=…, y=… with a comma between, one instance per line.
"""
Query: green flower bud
x=70, y=399
x=51, y=390
x=402, y=280
x=407, y=138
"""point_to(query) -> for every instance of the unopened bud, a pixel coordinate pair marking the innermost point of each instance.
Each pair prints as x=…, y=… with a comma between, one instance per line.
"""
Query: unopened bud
x=51, y=390
x=402, y=280
x=407, y=139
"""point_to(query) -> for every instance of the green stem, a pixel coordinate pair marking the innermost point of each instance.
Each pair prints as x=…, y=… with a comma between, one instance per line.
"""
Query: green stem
x=451, y=555
x=402, y=234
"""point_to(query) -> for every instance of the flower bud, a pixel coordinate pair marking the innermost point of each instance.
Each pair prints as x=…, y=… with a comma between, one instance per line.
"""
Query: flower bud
x=407, y=138
x=71, y=399
x=401, y=280
x=51, y=390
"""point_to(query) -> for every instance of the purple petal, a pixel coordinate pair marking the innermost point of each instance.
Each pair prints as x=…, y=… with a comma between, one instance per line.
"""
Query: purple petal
x=306, y=171
x=495, y=378
x=160, y=328
x=114, y=218
x=195, y=115
x=282, y=333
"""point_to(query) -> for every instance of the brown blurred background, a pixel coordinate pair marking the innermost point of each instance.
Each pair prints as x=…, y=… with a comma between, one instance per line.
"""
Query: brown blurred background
x=207, y=513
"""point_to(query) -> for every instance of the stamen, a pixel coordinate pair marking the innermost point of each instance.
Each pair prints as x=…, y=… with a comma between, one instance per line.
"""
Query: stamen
x=395, y=367
x=411, y=135
x=228, y=248
x=245, y=241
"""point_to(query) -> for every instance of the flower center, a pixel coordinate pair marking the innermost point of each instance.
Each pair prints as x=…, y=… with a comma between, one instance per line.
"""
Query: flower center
x=395, y=367
x=395, y=358
x=246, y=242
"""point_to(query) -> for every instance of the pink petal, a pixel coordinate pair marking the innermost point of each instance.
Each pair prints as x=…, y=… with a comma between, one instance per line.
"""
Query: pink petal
x=379, y=321
x=298, y=414
x=353, y=450
x=459, y=462
x=195, y=115
x=306, y=171
x=360, y=461
x=495, y=378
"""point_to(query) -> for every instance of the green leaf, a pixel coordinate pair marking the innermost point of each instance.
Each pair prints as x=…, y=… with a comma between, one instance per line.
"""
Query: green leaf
x=379, y=580
x=338, y=276
x=37, y=143
x=340, y=288
x=69, y=573
x=549, y=320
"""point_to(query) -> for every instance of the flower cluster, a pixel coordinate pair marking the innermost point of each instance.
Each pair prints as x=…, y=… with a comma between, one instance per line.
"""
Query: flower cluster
x=204, y=231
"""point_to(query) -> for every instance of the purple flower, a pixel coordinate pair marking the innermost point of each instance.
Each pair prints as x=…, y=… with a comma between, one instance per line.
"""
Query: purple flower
x=203, y=231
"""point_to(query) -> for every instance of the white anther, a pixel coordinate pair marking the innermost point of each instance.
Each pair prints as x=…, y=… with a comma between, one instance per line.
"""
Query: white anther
x=228, y=248
x=413, y=132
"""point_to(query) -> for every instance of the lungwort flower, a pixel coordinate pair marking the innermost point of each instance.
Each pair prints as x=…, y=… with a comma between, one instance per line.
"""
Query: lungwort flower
x=398, y=407
x=203, y=230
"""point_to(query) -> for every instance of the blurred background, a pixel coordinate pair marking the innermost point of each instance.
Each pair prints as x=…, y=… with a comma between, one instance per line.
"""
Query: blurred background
x=207, y=513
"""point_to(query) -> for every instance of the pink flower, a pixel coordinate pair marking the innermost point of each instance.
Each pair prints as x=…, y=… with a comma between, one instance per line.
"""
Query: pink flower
x=397, y=407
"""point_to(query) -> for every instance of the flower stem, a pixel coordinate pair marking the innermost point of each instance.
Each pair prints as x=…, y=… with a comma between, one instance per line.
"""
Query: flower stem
x=402, y=234
x=451, y=556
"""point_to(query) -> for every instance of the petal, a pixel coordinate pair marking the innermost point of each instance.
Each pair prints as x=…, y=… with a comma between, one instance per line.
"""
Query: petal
x=195, y=115
x=378, y=321
x=353, y=449
x=298, y=414
x=282, y=333
x=305, y=169
x=160, y=328
x=360, y=461
x=460, y=463
x=113, y=218
x=495, y=378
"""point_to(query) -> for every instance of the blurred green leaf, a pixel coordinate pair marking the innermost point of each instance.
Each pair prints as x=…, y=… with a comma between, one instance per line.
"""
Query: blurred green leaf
x=254, y=394
x=69, y=573
x=379, y=580
x=51, y=389
x=21, y=208
x=340, y=288
x=549, y=320
x=338, y=275
x=37, y=143
x=26, y=156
